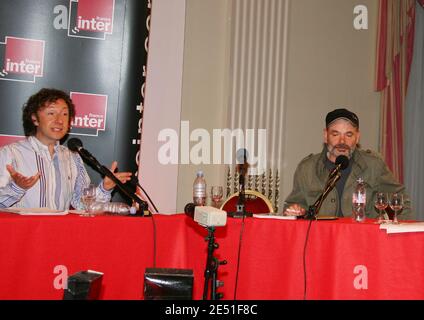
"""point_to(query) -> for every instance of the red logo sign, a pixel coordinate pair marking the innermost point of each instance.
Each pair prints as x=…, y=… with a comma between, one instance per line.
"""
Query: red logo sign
x=7, y=139
x=91, y=18
x=90, y=113
x=23, y=59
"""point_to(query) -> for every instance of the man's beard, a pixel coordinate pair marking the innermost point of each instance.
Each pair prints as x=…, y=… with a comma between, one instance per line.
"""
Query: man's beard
x=334, y=150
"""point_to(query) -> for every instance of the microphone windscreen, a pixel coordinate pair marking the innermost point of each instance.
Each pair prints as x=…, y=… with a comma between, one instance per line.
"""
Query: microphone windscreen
x=241, y=156
x=74, y=144
x=343, y=161
x=189, y=209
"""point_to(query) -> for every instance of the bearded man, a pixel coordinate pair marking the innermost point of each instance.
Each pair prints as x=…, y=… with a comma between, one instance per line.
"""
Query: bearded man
x=341, y=137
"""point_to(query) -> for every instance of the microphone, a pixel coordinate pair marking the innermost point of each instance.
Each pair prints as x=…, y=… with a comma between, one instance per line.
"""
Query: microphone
x=75, y=145
x=189, y=209
x=241, y=158
x=342, y=162
x=206, y=216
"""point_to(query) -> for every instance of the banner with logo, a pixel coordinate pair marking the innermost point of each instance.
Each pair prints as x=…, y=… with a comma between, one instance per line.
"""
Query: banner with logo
x=95, y=50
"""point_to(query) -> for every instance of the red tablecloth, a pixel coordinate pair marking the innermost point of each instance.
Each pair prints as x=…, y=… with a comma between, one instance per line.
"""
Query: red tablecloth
x=344, y=260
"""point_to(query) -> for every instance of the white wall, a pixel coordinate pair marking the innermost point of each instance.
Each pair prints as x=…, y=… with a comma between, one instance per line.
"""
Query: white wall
x=162, y=100
x=204, y=95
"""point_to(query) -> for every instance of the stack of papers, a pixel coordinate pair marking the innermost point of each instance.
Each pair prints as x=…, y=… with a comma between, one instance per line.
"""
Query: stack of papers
x=403, y=227
x=36, y=211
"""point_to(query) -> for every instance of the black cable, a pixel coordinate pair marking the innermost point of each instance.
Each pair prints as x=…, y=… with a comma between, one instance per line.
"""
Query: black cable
x=238, y=256
x=153, y=223
x=304, y=259
x=147, y=195
x=154, y=241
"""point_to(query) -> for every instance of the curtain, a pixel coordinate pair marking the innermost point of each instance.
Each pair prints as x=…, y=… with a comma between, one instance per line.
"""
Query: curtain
x=257, y=87
x=394, y=57
x=414, y=115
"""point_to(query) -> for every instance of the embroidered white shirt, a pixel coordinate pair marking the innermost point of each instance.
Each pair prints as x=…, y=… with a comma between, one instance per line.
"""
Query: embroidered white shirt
x=62, y=176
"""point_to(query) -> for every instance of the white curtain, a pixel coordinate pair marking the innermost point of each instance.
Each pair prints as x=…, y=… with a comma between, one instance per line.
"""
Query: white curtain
x=414, y=122
x=257, y=77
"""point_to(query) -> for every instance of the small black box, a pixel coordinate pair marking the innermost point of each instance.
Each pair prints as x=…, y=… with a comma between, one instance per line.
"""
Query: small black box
x=168, y=284
x=84, y=285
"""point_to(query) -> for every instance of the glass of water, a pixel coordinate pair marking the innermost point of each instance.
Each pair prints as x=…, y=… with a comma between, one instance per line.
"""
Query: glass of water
x=88, y=198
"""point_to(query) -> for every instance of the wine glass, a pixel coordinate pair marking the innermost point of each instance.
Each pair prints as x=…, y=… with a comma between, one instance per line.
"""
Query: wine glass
x=88, y=198
x=380, y=204
x=396, y=203
x=217, y=192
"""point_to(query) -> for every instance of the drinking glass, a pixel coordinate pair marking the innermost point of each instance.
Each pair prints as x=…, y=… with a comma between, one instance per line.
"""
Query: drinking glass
x=217, y=192
x=381, y=203
x=88, y=198
x=396, y=203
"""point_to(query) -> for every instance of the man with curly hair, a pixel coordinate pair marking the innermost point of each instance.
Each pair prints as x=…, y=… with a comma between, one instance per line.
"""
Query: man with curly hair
x=38, y=171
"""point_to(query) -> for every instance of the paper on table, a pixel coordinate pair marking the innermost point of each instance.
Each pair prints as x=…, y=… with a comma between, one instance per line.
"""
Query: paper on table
x=77, y=211
x=403, y=227
x=36, y=211
x=270, y=216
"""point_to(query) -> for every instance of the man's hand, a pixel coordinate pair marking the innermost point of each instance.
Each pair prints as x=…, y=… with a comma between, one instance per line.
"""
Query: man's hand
x=20, y=180
x=294, y=210
x=108, y=184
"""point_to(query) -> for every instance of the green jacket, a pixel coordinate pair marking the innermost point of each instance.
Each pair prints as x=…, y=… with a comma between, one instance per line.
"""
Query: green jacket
x=311, y=175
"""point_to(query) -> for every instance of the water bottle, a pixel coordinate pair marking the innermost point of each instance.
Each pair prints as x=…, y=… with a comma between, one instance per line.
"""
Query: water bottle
x=359, y=199
x=119, y=208
x=199, y=189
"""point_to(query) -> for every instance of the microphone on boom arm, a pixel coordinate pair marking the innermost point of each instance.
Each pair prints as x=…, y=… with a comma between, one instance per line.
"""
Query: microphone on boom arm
x=75, y=145
x=342, y=162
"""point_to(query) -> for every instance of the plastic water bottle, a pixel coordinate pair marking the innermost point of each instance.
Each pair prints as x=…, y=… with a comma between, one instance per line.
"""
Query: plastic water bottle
x=359, y=199
x=199, y=189
x=119, y=208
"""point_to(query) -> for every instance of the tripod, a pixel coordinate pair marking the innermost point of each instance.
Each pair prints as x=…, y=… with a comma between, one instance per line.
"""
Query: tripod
x=211, y=270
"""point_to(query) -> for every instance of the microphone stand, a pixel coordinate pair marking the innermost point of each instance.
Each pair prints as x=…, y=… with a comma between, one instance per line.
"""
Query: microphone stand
x=240, y=208
x=313, y=210
x=105, y=171
x=211, y=270
x=143, y=204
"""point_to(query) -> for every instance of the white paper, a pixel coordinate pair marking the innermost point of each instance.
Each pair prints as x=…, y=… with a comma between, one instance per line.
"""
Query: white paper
x=269, y=216
x=77, y=211
x=36, y=211
x=403, y=227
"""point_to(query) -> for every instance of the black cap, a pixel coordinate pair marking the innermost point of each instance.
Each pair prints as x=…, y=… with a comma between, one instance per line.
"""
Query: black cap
x=342, y=114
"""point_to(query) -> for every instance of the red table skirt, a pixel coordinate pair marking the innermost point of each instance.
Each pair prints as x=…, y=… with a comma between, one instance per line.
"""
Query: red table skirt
x=344, y=260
